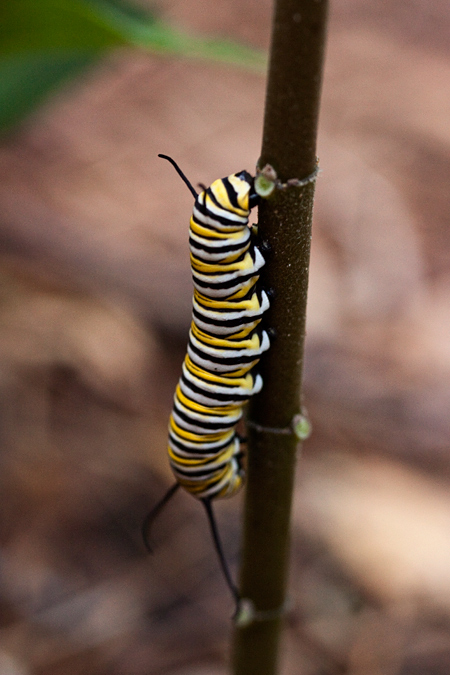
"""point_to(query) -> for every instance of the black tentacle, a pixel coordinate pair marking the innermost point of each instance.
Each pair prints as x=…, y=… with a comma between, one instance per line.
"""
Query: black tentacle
x=219, y=550
x=181, y=174
x=148, y=522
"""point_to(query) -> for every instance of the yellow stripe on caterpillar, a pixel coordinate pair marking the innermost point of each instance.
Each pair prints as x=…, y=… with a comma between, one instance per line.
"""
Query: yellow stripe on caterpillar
x=206, y=232
x=197, y=438
x=253, y=343
x=245, y=382
x=202, y=409
x=246, y=263
x=224, y=456
x=251, y=304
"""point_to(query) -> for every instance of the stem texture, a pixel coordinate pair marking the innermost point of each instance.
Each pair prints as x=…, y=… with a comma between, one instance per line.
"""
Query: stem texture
x=289, y=145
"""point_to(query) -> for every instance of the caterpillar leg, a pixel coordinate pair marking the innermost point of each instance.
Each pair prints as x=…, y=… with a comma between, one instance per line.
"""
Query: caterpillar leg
x=219, y=550
x=156, y=510
x=265, y=246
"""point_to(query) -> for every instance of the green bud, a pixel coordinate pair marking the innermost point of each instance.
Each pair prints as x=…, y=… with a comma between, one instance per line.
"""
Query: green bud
x=302, y=427
x=264, y=186
x=245, y=614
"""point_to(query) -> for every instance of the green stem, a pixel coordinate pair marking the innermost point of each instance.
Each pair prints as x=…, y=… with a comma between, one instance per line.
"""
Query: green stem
x=289, y=145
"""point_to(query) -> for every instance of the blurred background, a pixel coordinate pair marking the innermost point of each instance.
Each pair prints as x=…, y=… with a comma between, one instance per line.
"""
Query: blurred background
x=95, y=297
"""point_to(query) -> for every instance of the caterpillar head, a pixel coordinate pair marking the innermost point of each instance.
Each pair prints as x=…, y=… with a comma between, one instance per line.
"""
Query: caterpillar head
x=235, y=193
x=244, y=184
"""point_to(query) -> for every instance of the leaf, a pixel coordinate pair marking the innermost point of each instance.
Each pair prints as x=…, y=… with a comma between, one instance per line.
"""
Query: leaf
x=30, y=25
x=26, y=79
x=163, y=39
x=45, y=42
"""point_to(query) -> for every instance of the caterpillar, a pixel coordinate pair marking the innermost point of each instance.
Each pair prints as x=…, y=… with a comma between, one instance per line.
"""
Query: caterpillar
x=226, y=341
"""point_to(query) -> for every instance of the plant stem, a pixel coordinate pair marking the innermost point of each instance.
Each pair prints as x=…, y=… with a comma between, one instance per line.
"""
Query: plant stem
x=289, y=145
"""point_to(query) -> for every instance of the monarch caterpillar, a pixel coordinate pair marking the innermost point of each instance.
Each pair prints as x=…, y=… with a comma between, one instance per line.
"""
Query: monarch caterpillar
x=226, y=341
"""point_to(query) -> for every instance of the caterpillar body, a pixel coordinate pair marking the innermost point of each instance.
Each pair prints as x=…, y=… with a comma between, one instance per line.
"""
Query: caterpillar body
x=226, y=341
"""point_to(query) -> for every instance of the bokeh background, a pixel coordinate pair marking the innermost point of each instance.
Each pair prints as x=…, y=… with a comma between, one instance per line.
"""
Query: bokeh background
x=95, y=299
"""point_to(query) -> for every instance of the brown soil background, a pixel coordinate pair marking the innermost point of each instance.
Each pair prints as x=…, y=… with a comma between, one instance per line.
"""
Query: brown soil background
x=94, y=311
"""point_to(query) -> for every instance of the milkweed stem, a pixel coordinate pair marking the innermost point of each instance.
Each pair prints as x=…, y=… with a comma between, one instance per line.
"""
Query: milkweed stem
x=289, y=146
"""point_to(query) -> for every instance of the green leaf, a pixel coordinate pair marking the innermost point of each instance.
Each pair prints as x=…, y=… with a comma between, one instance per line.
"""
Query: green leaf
x=29, y=25
x=163, y=39
x=26, y=79
x=45, y=42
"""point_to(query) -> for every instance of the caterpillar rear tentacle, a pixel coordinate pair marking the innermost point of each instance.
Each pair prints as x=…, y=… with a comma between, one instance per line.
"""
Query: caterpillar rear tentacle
x=154, y=513
x=226, y=341
x=218, y=546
